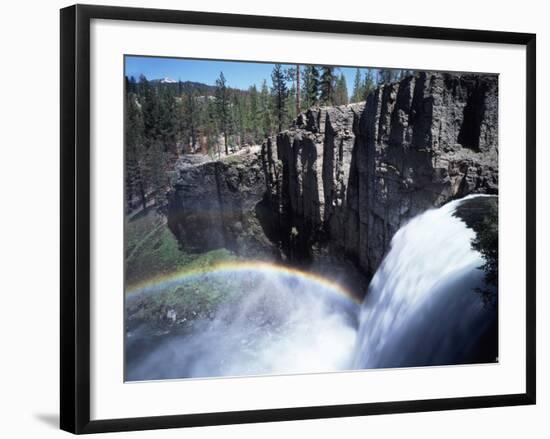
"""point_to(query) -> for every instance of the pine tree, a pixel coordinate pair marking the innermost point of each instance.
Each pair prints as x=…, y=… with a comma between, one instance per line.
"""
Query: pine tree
x=190, y=118
x=156, y=165
x=298, y=89
x=167, y=118
x=209, y=127
x=304, y=88
x=327, y=85
x=238, y=116
x=310, y=87
x=279, y=91
x=291, y=105
x=387, y=76
x=131, y=85
x=254, y=113
x=150, y=109
x=135, y=152
x=293, y=101
x=265, y=111
x=369, y=84
x=341, y=91
x=403, y=73
x=358, y=88
x=222, y=108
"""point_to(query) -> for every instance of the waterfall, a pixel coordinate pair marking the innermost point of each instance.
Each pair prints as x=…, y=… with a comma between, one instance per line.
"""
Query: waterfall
x=422, y=307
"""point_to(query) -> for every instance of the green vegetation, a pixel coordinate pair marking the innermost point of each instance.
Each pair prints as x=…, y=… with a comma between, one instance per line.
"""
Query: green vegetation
x=369, y=84
x=310, y=90
x=192, y=299
x=385, y=76
x=152, y=250
x=223, y=108
x=327, y=85
x=166, y=119
x=341, y=91
x=280, y=95
x=481, y=215
x=486, y=242
x=358, y=89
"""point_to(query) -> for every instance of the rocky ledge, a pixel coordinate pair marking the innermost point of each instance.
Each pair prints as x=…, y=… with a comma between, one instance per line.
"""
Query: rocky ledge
x=341, y=181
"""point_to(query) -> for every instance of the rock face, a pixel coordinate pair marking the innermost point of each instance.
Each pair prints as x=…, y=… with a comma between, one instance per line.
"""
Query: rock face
x=318, y=181
x=218, y=204
x=421, y=142
x=353, y=175
x=342, y=180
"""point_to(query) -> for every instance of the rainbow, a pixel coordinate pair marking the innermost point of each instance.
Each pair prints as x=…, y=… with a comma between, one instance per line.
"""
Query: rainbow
x=243, y=266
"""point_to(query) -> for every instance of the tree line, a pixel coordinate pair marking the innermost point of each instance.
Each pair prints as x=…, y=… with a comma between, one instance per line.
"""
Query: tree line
x=164, y=120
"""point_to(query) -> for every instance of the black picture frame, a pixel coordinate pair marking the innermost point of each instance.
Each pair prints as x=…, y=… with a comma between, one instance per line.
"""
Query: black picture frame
x=75, y=217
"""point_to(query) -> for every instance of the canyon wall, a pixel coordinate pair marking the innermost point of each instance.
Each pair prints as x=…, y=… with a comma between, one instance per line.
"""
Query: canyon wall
x=341, y=181
x=218, y=204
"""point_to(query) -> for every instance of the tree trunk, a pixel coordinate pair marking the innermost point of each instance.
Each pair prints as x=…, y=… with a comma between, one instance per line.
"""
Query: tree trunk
x=297, y=89
x=225, y=141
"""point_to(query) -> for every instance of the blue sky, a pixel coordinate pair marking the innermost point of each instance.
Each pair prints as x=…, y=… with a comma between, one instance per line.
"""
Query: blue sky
x=238, y=74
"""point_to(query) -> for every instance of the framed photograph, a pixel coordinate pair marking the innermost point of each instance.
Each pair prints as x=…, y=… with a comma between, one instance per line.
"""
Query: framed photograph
x=273, y=218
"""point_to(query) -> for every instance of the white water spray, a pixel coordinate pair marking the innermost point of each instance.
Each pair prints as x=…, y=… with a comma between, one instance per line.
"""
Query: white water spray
x=278, y=324
x=421, y=309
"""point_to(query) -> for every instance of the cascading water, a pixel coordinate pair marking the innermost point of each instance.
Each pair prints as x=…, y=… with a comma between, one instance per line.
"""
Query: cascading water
x=421, y=309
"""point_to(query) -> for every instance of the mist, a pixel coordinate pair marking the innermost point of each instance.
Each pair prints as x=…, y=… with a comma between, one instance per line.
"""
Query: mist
x=421, y=309
x=277, y=324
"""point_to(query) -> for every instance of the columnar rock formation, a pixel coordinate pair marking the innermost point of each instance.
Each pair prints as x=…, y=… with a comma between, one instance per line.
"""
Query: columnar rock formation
x=356, y=173
x=342, y=180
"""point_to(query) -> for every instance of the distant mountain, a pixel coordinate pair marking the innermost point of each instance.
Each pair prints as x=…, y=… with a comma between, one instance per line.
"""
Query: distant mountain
x=186, y=86
x=199, y=88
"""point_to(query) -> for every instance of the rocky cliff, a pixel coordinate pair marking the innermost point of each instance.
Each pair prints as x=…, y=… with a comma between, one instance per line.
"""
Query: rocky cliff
x=219, y=204
x=341, y=181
